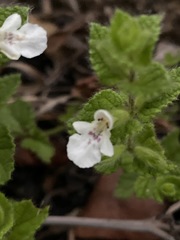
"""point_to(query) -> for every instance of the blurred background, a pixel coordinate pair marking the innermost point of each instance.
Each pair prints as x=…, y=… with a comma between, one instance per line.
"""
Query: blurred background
x=56, y=83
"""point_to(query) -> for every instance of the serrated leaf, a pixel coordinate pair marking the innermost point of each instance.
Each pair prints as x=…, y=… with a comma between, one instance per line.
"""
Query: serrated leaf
x=145, y=187
x=130, y=35
x=149, y=160
x=125, y=187
x=6, y=155
x=111, y=164
x=147, y=138
x=152, y=23
x=27, y=219
x=147, y=78
x=171, y=145
x=169, y=187
x=6, y=215
x=104, y=60
x=127, y=161
x=150, y=108
x=105, y=99
x=8, y=86
x=125, y=30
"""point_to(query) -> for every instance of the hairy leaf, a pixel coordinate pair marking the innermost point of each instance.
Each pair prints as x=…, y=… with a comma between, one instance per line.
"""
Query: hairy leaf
x=8, y=86
x=27, y=219
x=106, y=99
x=6, y=215
x=125, y=187
x=110, y=165
x=171, y=145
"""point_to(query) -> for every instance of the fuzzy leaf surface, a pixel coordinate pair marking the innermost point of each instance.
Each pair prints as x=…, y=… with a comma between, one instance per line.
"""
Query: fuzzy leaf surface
x=27, y=219
x=111, y=164
x=105, y=99
x=6, y=215
x=171, y=145
x=8, y=86
x=125, y=187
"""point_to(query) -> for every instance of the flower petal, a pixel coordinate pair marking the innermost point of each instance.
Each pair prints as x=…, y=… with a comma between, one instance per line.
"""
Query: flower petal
x=82, y=127
x=33, y=42
x=106, y=146
x=10, y=51
x=101, y=113
x=12, y=23
x=83, y=153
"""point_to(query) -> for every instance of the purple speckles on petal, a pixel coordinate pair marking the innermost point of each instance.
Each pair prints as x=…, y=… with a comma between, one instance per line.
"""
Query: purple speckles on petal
x=95, y=136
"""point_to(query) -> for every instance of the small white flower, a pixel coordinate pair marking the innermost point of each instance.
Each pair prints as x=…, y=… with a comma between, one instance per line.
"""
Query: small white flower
x=29, y=41
x=92, y=140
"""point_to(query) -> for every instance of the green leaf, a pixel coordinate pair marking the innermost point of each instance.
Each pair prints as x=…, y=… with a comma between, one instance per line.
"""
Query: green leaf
x=167, y=94
x=105, y=99
x=152, y=23
x=125, y=31
x=149, y=160
x=40, y=145
x=135, y=36
x=7, y=11
x=6, y=155
x=27, y=219
x=9, y=121
x=23, y=114
x=104, y=60
x=125, y=187
x=171, y=145
x=8, y=86
x=147, y=138
x=169, y=187
x=6, y=215
x=111, y=164
x=145, y=187
x=147, y=78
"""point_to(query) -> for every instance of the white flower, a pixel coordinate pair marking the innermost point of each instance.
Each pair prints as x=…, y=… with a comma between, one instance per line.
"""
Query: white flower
x=29, y=41
x=92, y=140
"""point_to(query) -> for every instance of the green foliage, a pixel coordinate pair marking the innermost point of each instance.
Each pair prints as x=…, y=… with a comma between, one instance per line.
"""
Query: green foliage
x=19, y=118
x=125, y=186
x=110, y=165
x=27, y=219
x=6, y=215
x=7, y=11
x=122, y=57
x=6, y=155
x=18, y=220
x=106, y=99
x=172, y=146
x=40, y=145
x=8, y=86
x=23, y=114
